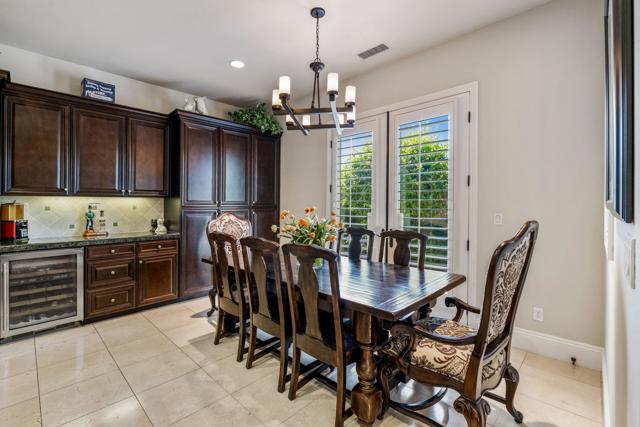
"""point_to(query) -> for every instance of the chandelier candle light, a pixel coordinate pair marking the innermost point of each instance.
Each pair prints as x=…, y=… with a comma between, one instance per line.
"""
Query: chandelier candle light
x=300, y=118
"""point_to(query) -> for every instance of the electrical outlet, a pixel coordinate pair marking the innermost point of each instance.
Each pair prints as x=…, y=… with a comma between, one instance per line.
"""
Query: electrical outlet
x=72, y=226
x=538, y=314
x=497, y=218
x=115, y=224
x=47, y=208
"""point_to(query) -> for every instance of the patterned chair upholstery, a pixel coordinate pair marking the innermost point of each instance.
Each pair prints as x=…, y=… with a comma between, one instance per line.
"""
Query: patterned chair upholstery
x=453, y=355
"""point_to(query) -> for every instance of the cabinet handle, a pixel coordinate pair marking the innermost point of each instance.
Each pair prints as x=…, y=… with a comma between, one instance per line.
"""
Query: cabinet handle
x=113, y=273
x=113, y=300
x=113, y=251
x=140, y=262
x=123, y=191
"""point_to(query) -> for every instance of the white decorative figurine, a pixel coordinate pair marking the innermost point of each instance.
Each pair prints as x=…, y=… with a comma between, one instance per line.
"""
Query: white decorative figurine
x=161, y=228
x=201, y=106
x=189, y=105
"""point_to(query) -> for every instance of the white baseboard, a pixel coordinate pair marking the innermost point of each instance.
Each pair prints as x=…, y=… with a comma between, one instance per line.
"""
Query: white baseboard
x=606, y=402
x=587, y=355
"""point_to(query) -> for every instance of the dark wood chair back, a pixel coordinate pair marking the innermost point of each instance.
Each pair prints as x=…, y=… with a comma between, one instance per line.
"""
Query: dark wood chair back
x=402, y=252
x=261, y=260
x=505, y=279
x=305, y=311
x=229, y=287
x=355, y=244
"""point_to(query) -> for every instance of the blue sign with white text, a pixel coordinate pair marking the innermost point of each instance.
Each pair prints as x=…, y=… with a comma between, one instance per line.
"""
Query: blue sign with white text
x=98, y=90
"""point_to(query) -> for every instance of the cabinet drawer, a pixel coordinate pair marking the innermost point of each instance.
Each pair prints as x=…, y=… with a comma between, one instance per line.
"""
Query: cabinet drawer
x=110, y=251
x=103, y=273
x=157, y=246
x=110, y=301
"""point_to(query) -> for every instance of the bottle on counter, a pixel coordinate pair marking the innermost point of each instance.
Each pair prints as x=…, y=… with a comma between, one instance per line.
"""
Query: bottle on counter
x=102, y=224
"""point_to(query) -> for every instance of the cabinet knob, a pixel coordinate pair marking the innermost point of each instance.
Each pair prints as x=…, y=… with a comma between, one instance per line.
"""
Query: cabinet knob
x=113, y=251
x=140, y=262
x=113, y=300
x=66, y=189
x=159, y=246
x=113, y=273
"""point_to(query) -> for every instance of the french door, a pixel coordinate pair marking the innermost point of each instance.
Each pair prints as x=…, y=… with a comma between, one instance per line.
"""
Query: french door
x=413, y=177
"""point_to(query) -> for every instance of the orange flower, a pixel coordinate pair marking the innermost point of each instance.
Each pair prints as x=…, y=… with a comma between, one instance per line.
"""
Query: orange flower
x=284, y=213
x=333, y=213
x=307, y=210
x=312, y=235
x=282, y=217
x=313, y=209
x=302, y=222
x=334, y=221
x=332, y=238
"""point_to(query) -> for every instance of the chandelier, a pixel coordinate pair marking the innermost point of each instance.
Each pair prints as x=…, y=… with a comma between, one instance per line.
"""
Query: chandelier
x=300, y=118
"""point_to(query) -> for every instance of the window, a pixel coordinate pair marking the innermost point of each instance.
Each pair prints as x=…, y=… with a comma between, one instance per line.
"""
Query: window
x=423, y=185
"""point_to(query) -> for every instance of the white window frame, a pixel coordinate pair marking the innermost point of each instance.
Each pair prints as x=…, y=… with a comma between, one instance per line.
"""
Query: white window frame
x=380, y=166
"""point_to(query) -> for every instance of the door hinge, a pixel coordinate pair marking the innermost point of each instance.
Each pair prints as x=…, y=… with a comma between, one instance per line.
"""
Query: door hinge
x=467, y=246
x=330, y=188
x=468, y=180
x=469, y=116
x=331, y=143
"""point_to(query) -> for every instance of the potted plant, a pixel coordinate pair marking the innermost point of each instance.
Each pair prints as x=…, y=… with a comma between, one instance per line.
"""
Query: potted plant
x=309, y=229
x=259, y=117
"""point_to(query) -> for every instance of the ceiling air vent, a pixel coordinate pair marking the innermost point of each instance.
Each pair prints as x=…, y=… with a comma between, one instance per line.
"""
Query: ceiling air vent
x=373, y=51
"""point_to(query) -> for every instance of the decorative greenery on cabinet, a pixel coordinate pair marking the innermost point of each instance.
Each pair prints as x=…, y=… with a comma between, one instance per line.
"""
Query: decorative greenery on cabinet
x=257, y=116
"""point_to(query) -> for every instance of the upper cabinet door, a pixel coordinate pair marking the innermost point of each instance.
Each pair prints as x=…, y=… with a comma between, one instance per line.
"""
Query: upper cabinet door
x=266, y=172
x=36, y=146
x=236, y=176
x=99, y=153
x=199, y=165
x=148, y=157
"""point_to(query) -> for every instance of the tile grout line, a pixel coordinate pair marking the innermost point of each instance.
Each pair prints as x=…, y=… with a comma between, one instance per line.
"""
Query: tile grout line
x=35, y=354
x=125, y=379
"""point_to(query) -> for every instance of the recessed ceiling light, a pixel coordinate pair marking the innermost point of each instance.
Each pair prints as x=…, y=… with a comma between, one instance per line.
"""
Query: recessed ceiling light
x=236, y=64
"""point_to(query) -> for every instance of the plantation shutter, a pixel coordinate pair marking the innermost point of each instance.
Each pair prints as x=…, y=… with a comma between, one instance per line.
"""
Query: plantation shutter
x=423, y=185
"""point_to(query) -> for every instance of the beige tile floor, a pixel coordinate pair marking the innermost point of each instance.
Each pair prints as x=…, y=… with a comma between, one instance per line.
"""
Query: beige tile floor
x=160, y=368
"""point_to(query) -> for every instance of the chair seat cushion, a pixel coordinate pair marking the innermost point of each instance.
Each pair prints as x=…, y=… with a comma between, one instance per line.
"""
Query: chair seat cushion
x=446, y=359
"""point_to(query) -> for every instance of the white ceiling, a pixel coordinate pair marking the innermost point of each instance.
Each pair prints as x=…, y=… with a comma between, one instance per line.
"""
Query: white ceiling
x=186, y=45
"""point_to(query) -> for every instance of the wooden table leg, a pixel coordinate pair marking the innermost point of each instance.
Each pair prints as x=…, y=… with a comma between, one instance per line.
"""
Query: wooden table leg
x=366, y=397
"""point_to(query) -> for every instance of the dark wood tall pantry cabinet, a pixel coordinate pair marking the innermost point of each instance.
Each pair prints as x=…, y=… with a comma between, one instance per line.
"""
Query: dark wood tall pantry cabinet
x=219, y=166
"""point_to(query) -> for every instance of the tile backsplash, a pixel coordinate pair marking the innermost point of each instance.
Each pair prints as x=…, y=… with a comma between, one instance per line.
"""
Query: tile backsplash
x=64, y=216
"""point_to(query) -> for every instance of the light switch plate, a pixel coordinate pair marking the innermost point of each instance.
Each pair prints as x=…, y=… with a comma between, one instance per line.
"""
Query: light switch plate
x=497, y=218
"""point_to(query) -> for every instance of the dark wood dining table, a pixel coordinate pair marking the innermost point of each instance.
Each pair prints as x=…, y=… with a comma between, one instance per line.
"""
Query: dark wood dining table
x=377, y=291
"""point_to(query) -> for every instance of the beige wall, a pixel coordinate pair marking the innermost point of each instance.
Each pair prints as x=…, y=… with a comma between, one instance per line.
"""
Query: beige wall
x=622, y=335
x=540, y=149
x=50, y=73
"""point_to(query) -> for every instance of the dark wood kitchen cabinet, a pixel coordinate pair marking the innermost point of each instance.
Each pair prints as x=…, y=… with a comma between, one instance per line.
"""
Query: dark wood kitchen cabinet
x=223, y=167
x=157, y=278
x=235, y=151
x=59, y=144
x=36, y=146
x=99, y=150
x=148, y=143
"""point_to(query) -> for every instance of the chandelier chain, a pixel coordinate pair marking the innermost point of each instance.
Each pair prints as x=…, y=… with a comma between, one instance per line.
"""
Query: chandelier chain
x=317, y=38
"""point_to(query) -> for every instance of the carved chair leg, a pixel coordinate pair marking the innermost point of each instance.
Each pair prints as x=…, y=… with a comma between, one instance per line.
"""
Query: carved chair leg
x=512, y=378
x=219, y=326
x=475, y=413
x=384, y=373
x=284, y=361
x=243, y=331
x=340, y=398
x=252, y=346
x=295, y=373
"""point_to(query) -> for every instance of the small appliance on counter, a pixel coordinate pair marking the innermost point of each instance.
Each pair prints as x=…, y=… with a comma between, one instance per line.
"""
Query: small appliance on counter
x=13, y=226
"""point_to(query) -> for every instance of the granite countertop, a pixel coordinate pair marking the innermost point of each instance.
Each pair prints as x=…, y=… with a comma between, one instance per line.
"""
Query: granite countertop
x=79, y=241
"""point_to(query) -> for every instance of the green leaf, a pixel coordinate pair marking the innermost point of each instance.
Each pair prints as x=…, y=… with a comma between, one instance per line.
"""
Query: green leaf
x=257, y=116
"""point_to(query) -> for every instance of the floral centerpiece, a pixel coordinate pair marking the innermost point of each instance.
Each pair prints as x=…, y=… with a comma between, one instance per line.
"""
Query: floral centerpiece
x=308, y=229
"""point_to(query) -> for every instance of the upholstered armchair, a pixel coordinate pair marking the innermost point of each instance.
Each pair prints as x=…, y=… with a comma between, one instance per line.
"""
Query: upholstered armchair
x=453, y=355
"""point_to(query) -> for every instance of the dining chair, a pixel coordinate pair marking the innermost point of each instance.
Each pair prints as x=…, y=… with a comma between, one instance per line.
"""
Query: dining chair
x=230, y=224
x=453, y=355
x=355, y=243
x=230, y=288
x=320, y=334
x=268, y=303
x=402, y=252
